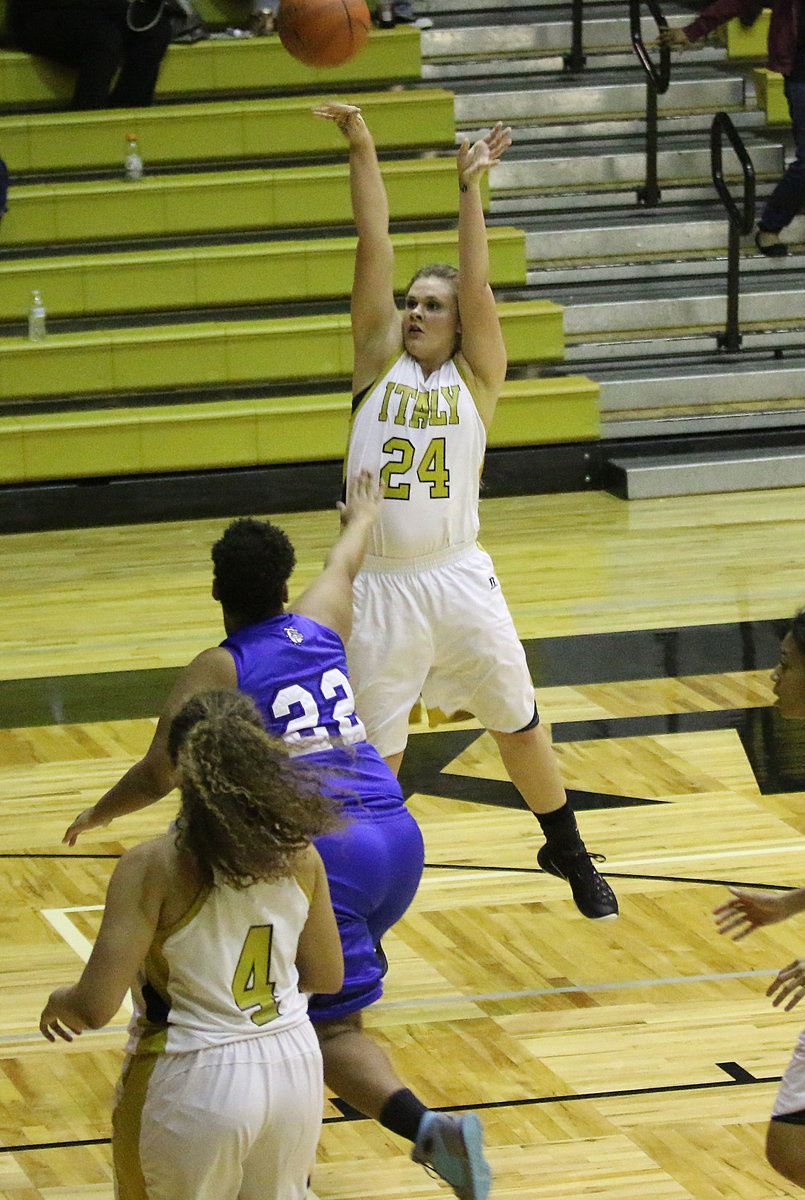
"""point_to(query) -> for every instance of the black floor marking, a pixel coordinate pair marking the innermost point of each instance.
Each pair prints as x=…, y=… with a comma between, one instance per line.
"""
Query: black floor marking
x=56, y=1145
x=425, y=770
x=737, y=1072
x=774, y=887
x=347, y=1111
x=655, y=653
x=775, y=748
x=27, y=854
x=616, y=1094
x=554, y=662
x=740, y=1079
x=79, y=699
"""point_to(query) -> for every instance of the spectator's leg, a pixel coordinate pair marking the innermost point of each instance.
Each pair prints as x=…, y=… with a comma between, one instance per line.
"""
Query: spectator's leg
x=142, y=57
x=788, y=197
x=76, y=37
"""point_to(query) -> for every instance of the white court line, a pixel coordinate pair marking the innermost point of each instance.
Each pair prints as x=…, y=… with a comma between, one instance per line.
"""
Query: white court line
x=59, y=919
x=702, y=856
x=10, y=1038
x=581, y=987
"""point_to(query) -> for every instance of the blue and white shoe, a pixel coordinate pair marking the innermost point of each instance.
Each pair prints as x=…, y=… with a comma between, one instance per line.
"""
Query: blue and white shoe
x=452, y=1145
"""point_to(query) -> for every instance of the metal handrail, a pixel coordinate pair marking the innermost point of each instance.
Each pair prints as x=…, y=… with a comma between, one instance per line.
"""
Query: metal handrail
x=657, y=81
x=660, y=76
x=576, y=60
x=741, y=218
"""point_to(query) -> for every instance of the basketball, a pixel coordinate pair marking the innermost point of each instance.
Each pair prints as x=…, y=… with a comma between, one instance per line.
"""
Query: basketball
x=323, y=33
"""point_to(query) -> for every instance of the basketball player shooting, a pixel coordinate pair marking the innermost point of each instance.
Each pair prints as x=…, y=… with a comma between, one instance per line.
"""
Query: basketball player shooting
x=430, y=619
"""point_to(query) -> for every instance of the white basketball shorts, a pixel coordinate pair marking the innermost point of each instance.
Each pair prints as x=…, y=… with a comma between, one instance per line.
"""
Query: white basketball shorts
x=234, y=1122
x=791, y=1096
x=441, y=631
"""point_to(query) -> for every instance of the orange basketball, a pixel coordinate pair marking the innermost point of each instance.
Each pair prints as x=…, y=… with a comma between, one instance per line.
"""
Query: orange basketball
x=323, y=33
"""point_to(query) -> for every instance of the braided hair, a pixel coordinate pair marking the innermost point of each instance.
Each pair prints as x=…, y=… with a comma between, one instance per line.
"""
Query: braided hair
x=246, y=809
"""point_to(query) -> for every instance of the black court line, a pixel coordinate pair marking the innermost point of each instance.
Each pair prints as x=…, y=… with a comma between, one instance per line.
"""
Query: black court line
x=490, y=867
x=617, y=1094
x=738, y=1077
x=777, y=887
x=56, y=1145
x=57, y=854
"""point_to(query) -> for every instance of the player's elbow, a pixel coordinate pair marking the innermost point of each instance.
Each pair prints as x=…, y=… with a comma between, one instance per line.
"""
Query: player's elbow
x=325, y=976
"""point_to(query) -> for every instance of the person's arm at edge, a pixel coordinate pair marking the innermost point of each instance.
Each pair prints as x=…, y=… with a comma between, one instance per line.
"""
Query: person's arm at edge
x=328, y=599
x=154, y=775
x=131, y=914
x=319, y=958
x=747, y=910
x=708, y=19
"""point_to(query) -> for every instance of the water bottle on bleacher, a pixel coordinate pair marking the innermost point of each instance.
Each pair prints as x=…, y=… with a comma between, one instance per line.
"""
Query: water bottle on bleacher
x=36, y=318
x=133, y=163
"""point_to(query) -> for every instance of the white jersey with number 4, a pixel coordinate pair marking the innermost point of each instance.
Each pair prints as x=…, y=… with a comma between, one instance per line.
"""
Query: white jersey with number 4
x=425, y=440
x=224, y=972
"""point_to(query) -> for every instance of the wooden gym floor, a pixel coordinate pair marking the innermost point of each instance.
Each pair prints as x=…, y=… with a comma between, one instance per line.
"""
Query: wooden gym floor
x=634, y=1060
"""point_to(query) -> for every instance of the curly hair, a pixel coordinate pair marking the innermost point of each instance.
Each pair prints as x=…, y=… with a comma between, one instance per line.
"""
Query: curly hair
x=252, y=563
x=246, y=809
x=798, y=631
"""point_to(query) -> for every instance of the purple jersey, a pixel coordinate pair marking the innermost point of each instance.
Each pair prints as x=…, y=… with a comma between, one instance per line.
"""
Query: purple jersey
x=295, y=670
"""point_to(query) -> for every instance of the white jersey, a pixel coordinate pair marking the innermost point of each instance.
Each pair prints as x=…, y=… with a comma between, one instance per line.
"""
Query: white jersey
x=224, y=972
x=425, y=440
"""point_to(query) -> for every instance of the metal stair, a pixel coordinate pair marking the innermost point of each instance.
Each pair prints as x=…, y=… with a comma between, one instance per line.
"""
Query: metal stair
x=644, y=290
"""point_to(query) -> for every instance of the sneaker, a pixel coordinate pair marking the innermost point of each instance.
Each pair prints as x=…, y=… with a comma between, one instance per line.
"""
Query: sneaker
x=769, y=243
x=593, y=896
x=452, y=1145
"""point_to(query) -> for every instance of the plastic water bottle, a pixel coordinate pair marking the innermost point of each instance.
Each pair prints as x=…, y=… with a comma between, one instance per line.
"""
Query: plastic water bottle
x=133, y=163
x=36, y=318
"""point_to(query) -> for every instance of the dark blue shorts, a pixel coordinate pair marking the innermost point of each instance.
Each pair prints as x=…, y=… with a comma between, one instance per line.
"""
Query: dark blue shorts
x=373, y=867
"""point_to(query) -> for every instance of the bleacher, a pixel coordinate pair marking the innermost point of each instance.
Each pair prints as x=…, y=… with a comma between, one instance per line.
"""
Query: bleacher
x=198, y=317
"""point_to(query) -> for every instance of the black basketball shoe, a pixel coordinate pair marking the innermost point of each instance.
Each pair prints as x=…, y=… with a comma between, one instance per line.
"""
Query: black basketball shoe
x=593, y=896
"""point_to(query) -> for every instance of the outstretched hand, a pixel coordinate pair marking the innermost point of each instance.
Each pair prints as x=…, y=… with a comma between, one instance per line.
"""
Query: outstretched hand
x=347, y=117
x=83, y=823
x=788, y=985
x=483, y=155
x=364, y=497
x=746, y=911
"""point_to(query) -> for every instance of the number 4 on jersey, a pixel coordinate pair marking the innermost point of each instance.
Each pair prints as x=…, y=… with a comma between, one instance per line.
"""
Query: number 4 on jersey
x=251, y=985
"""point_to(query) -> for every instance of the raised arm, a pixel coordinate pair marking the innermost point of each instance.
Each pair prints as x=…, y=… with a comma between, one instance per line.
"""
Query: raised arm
x=482, y=345
x=376, y=328
x=154, y=775
x=328, y=599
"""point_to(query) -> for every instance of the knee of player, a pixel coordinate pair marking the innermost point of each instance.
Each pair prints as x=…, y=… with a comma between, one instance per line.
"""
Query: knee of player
x=326, y=1031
